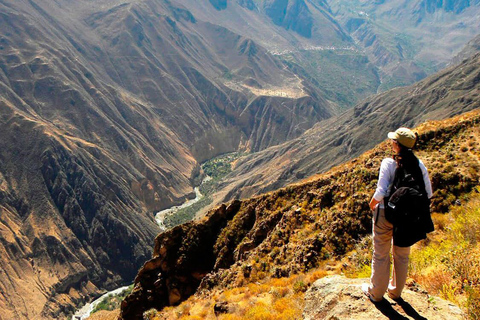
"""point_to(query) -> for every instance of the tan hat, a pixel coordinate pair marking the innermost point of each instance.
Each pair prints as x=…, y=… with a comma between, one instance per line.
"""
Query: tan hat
x=404, y=136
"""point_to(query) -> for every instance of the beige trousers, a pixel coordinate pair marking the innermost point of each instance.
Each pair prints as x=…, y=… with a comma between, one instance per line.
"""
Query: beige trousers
x=382, y=242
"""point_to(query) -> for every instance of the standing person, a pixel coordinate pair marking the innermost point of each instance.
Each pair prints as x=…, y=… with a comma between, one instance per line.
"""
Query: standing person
x=402, y=140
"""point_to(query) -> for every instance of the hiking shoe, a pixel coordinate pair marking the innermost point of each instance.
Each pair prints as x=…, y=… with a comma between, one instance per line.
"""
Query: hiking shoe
x=366, y=291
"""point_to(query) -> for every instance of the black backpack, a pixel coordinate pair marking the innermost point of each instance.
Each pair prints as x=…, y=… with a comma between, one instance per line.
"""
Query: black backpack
x=408, y=207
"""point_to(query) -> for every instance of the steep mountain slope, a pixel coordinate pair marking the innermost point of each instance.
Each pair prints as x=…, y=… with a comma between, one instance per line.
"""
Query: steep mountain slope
x=452, y=91
x=297, y=228
x=106, y=110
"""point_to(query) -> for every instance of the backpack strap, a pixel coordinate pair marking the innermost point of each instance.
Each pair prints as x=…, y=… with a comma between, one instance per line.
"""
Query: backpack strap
x=418, y=175
x=396, y=178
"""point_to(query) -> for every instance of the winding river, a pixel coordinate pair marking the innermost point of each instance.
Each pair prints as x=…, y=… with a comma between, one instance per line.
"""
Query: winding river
x=87, y=309
x=160, y=216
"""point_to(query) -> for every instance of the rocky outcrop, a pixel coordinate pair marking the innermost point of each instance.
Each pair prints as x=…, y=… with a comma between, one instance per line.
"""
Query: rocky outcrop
x=336, y=297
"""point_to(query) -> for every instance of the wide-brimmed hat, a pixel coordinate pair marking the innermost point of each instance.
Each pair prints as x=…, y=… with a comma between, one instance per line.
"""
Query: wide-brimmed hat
x=404, y=136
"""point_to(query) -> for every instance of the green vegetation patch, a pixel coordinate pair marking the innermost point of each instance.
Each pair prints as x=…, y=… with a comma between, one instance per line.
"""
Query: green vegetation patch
x=112, y=301
x=217, y=169
x=186, y=214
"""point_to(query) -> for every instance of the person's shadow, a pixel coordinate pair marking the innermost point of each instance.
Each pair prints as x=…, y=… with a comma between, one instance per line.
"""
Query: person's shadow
x=386, y=309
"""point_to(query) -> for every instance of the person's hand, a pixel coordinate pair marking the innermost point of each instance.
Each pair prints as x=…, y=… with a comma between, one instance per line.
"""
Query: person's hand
x=373, y=203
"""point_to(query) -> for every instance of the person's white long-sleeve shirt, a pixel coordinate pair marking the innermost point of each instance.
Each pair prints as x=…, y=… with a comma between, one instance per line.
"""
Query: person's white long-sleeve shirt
x=387, y=174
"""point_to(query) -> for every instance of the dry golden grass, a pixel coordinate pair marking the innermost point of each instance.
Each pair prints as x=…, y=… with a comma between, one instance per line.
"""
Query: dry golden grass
x=270, y=299
x=105, y=315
